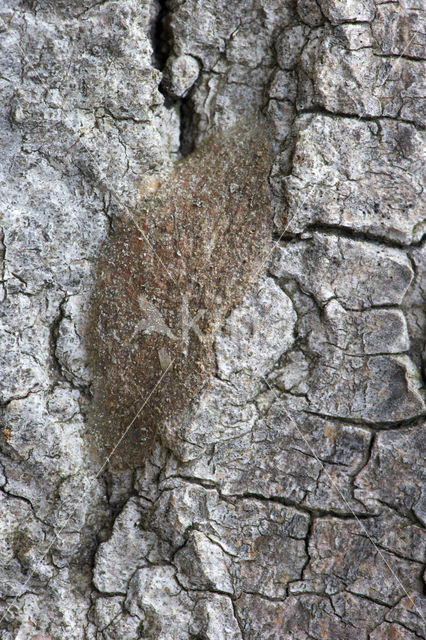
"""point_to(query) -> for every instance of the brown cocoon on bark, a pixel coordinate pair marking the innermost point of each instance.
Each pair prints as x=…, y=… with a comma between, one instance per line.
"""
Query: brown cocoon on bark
x=167, y=277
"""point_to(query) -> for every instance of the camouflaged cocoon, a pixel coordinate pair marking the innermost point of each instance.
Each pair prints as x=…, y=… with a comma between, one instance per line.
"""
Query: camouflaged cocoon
x=168, y=276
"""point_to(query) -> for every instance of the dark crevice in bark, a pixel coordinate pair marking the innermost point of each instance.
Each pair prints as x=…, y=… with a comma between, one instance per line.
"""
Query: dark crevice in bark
x=320, y=110
x=403, y=512
x=15, y=496
x=370, y=598
x=259, y=594
x=399, y=56
x=188, y=124
x=161, y=36
x=401, y=624
x=367, y=457
x=53, y=340
x=59, y=371
x=248, y=495
x=162, y=44
x=348, y=234
x=3, y=263
x=374, y=426
x=237, y=617
x=381, y=547
x=307, y=541
x=6, y=403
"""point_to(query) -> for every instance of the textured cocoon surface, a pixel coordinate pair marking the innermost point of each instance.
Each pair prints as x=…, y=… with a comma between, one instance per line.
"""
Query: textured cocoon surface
x=167, y=277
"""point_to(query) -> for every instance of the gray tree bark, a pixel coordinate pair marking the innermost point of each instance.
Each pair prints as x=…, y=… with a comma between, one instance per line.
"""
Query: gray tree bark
x=287, y=503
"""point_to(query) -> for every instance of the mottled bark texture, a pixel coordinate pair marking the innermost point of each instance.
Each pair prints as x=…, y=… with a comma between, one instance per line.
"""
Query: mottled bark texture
x=287, y=503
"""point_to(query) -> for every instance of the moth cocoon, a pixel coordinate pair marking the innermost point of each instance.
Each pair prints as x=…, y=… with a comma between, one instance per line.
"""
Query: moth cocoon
x=167, y=277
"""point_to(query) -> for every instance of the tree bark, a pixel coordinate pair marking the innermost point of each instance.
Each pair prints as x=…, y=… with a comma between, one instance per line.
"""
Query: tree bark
x=286, y=502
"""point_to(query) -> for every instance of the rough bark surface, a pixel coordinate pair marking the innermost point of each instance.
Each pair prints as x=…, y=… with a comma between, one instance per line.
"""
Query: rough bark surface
x=289, y=504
